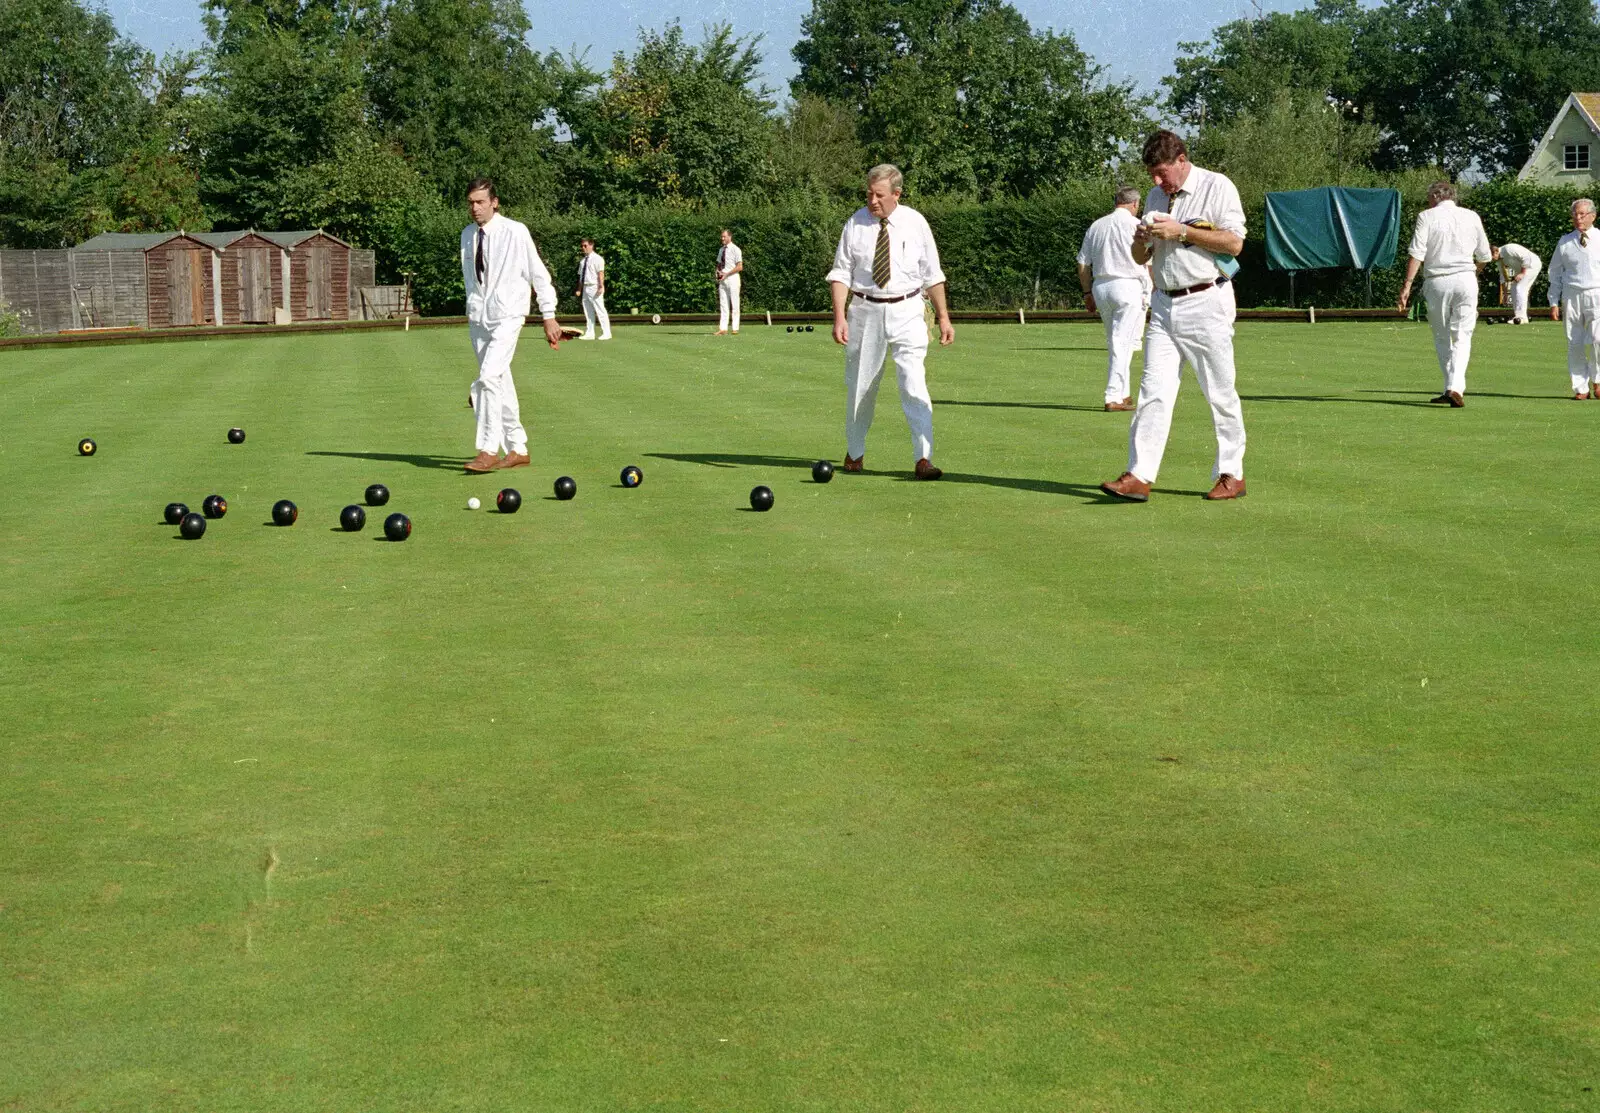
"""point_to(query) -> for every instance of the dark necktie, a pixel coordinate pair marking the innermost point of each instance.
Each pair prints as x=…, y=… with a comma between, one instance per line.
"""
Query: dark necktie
x=583, y=273
x=483, y=266
x=1583, y=239
x=880, y=256
x=722, y=258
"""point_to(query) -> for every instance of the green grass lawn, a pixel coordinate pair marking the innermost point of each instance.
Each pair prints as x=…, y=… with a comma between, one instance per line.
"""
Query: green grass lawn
x=984, y=794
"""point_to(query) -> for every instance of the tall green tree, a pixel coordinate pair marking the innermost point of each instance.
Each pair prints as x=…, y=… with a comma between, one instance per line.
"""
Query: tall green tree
x=815, y=152
x=676, y=123
x=455, y=85
x=85, y=141
x=964, y=95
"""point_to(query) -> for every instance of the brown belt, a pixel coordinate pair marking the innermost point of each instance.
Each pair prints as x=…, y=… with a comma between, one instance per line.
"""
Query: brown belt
x=1204, y=286
x=881, y=301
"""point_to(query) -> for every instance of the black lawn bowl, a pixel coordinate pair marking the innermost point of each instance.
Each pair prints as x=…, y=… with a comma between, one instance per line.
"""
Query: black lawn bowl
x=397, y=527
x=811, y=328
x=175, y=513
x=352, y=518
x=86, y=447
x=566, y=488
x=509, y=500
x=193, y=526
x=285, y=513
x=377, y=495
x=215, y=506
x=788, y=328
x=822, y=471
x=761, y=499
x=236, y=435
x=632, y=476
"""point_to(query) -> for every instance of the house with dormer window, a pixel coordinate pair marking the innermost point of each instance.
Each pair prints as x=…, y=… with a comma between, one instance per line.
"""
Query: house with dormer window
x=1569, y=153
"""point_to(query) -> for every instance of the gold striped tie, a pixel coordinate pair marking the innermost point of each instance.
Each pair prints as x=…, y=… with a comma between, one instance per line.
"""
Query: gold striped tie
x=880, y=256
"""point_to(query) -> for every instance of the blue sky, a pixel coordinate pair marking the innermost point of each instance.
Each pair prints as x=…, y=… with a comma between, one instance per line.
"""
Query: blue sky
x=1133, y=38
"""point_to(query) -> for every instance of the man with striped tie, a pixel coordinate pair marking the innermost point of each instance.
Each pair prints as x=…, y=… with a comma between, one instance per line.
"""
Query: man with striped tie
x=885, y=264
x=1575, y=298
x=730, y=265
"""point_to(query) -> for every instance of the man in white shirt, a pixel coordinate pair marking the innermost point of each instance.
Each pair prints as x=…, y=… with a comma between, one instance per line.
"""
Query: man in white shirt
x=885, y=264
x=1192, y=232
x=1449, y=246
x=1117, y=288
x=501, y=269
x=592, y=288
x=1518, y=269
x=1575, y=298
x=730, y=265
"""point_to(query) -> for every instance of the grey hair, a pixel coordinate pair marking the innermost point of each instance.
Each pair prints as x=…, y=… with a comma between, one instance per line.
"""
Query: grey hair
x=885, y=172
x=1583, y=201
x=1441, y=191
x=1127, y=195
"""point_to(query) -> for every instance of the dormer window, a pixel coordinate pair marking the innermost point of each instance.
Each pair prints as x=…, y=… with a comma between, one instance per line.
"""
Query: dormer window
x=1575, y=156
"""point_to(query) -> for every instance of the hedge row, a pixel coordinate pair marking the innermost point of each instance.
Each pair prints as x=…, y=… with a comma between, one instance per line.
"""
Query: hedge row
x=997, y=256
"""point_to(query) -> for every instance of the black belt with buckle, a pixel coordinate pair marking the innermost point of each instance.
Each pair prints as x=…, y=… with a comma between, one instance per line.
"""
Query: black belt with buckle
x=881, y=301
x=1204, y=286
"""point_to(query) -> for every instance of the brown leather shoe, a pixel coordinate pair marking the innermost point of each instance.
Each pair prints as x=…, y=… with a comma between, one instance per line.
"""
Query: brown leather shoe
x=1455, y=400
x=926, y=470
x=1443, y=399
x=1128, y=487
x=853, y=465
x=514, y=460
x=1584, y=397
x=482, y=462
x=1227, y=488
x=1119, y=407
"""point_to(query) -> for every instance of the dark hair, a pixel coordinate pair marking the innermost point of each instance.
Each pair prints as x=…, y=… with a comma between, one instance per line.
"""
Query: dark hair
x=586, y=239
x=1163, y=147
x=482, y=183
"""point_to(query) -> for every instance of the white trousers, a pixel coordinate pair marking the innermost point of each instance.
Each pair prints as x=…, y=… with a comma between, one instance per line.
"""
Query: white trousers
x=594, y=309
x=1121, y=305
x=1580, y=316
x=1452, y=314
x=728, y=303
x=877, y=331
x=1520, y=289
x=494, y=395
x=1198, y=330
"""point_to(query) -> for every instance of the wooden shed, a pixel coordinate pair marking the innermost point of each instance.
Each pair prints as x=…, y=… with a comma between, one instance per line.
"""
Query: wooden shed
x=183, y=275
x=319, y=275
x=254, y=274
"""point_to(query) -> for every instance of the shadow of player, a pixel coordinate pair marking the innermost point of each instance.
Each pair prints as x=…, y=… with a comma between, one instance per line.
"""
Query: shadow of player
x=1021, y=405
x=442, y=463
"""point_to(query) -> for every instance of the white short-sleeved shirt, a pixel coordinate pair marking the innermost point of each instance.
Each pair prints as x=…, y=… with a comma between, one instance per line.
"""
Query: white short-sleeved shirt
x=1449, y=240
x=590, y=268
x=1108, y=248
x=1514, y=257
x=913, y=256
x=729, y=256
x=1205, y=196
x=1575, y=266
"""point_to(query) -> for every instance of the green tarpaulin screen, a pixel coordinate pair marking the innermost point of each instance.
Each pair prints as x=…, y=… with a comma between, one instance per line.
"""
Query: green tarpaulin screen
x=1332, y=227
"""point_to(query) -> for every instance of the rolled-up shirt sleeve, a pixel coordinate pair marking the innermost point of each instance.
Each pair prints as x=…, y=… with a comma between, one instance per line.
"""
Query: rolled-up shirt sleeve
x=841, y=258
x=539, y=279
x=1481, y=252
x=1231, y=216
x=932, y=272
x=1419, y=240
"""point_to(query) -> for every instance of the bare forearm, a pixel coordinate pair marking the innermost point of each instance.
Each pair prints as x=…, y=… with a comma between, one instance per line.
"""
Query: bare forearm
x=1085, y=277
x=1215, y=239
x=936, y=295
x=840, y=292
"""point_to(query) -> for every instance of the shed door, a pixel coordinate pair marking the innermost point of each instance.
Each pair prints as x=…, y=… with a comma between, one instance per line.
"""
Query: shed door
x=186, y=294
x=319, y=284
x=255, y=285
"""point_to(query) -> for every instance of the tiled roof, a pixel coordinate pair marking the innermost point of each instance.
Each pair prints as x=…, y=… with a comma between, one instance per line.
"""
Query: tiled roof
x=1590, y=103
x=125, y=241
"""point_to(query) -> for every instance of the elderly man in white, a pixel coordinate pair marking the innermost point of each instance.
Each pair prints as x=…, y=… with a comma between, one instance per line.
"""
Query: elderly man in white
x=1449, y=246
x=1518, y=268
x=885, y=263
x=730, y=265
x=1117, y=288
x=592, y=288
x=1575, y=298
x=1194, y=227
x=501, y=269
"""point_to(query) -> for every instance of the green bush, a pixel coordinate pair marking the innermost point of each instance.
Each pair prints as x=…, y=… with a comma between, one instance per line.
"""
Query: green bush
x=999, y=255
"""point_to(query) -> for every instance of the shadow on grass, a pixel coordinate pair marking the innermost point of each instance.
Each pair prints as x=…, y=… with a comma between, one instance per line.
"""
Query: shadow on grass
x=1020, y=405
x=1063, y=348
x=1338, y=398
x=442, y=463
x=1471, y=394
x=1089, y=492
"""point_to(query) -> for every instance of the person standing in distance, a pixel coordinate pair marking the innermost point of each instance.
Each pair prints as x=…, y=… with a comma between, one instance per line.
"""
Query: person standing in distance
x=1575, y=298
x=1519, y=267
x=592, y=288
x=886, y=261
x=1449, y=246
x=501, y=269
x=1193, y=229
x=730, y=265
x=1117, y=288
